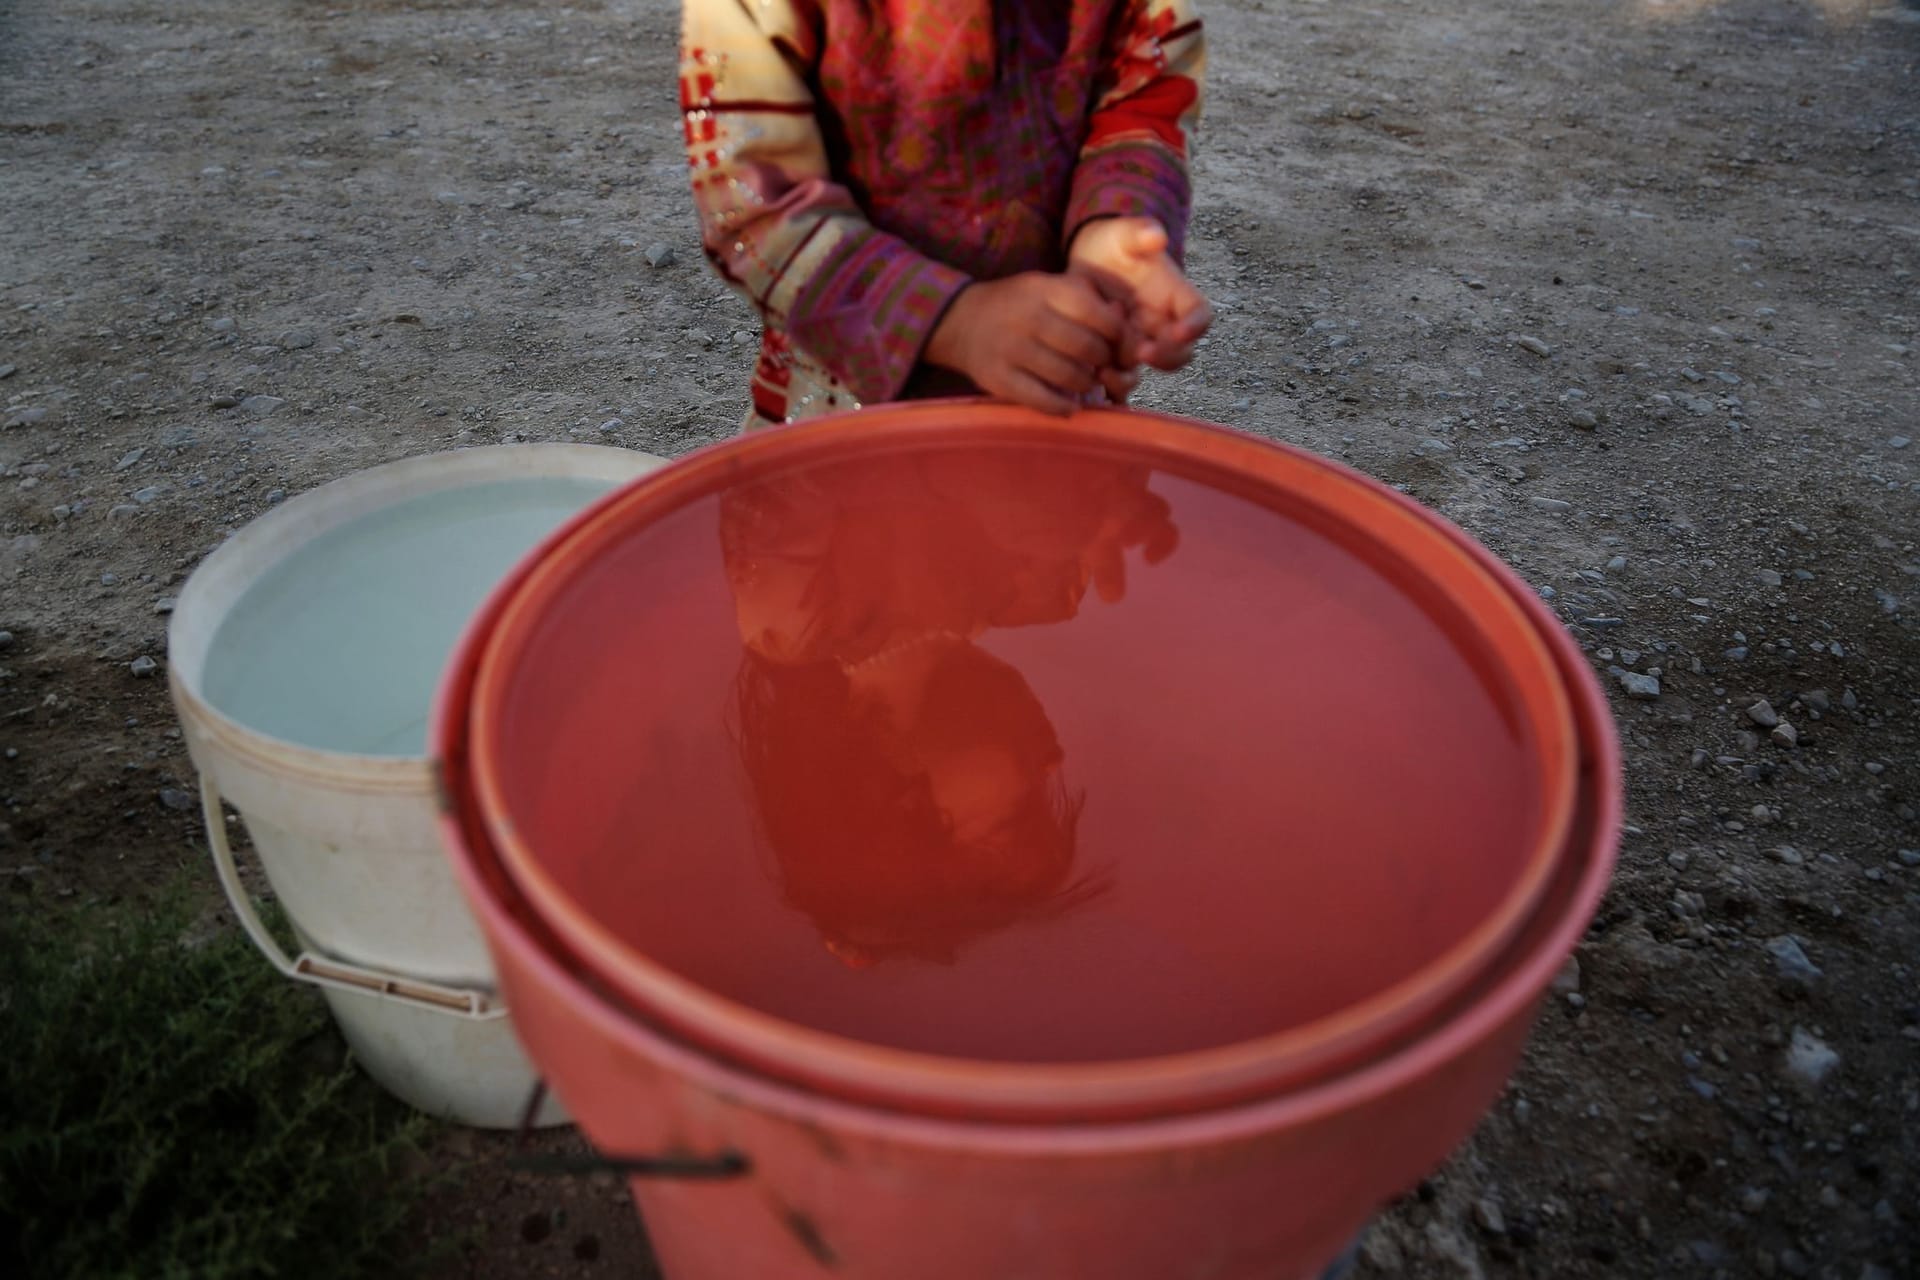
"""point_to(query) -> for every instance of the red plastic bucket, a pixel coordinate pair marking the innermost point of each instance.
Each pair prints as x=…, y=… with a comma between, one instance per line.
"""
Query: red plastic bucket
x=1269, y=1190
x=1275, y=901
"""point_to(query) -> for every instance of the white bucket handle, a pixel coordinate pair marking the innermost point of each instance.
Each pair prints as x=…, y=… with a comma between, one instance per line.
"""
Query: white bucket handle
x=475, y=1006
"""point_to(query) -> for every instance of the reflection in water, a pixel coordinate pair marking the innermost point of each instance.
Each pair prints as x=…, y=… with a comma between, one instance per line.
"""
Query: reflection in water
x=908, y=783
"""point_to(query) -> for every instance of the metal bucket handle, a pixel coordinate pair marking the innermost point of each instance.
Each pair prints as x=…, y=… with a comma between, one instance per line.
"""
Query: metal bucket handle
x=475, y=1006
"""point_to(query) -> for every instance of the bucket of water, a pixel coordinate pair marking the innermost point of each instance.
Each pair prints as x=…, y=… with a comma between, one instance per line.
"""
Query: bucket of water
x=303, y=657
x=948, y=704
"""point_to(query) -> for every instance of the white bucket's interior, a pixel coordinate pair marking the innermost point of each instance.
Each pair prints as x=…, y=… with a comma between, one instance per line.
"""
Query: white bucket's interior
x=330, y=631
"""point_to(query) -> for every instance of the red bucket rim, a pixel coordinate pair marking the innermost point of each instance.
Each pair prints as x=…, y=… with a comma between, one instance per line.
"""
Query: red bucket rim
x=1397, y=527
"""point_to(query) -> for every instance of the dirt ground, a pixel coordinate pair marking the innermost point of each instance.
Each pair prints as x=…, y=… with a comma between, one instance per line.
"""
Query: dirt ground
x=1625, y=287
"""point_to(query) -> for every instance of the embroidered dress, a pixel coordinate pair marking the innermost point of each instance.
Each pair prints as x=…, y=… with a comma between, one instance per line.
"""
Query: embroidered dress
x=856, y=163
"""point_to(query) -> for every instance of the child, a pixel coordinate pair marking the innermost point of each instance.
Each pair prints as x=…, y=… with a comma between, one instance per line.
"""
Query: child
x=941, y=198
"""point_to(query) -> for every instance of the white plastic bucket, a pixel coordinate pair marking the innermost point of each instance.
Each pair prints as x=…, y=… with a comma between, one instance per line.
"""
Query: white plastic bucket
x=321, y=629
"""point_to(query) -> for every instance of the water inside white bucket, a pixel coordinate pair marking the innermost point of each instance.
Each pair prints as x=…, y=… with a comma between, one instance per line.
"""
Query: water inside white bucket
x=340, y=646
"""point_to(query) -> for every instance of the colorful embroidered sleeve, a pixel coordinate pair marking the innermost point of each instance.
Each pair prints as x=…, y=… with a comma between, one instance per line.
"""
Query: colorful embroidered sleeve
x=775, y=224
x=1134, y=161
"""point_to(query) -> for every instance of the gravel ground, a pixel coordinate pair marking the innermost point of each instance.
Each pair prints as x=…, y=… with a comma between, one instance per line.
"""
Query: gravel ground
x=1624, y=287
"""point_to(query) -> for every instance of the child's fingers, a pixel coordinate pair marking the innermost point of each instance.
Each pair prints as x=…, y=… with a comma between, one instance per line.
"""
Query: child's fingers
x=1023, y=388
x=1078, y=300
x=1119, y=384
x=1148, y=239
x=1062, y=372
x=1074, y=341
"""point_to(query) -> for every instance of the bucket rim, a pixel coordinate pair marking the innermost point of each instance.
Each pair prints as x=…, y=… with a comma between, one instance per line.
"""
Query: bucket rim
x=279, y=532
x=1089, y=1090
x=1476, y=1016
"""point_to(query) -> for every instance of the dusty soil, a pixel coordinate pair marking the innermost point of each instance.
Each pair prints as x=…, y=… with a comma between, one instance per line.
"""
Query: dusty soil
x=1624, y=287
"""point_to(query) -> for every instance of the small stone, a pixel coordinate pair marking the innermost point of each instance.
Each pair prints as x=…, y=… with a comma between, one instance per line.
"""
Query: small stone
x=25, y=416
x=1785, y=735
x=1875, y=768
x=225, y=402
x=7, y=371
x=221, y=324
x=129, y=459
x=1898, y=442
x=1763, y=714
x=1788, y=855
x=1738, y=653
x=1679, y=860
x=297, y=339
x=1768, y=577
x=1567, y=981
x=148, y=495
x=177, y=800
x=261, y=406
x=1550, y=504
x=1808, y=1057
x=1818, y=699
x=449, y=197
x=660, y=254
x=742, y=337
x=1527, y=342
x=1699, y=759
x=7, y=641
x=143, y=666
x=1489, y=1218
x=1908, y=857
x=1585, y=419
x=1641, y=688
x=1791, y=962
x=611, y=425
x=165, y=604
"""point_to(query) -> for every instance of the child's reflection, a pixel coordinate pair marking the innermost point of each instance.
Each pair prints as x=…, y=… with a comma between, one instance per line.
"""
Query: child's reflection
x=908, y=782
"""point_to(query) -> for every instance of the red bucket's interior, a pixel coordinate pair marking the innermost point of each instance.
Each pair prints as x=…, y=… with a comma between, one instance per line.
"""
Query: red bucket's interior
x=1030, y=756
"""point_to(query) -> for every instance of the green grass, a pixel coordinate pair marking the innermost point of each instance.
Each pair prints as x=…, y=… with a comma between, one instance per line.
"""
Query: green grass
x=174, y=1108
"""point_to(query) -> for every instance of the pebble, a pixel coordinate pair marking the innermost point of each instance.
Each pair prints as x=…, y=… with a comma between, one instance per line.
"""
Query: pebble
x=1787, y=854
x=1785, y=735
x=1899, y=442
x=165, y=604
x=129, y=459
x=1791, y=962
x=261, y=406
x=1763, y=714
x=660, y=254
x=147, y=495
x=1768, y=577
x=225, y=402
x=1487, y=1214
x=1908, y=857
x=276, y=496
x=8, y=370
x=1809, y=1058
x=1641, y=688
x=26, y=416
x=1550, y=504
x=297, y=339
x=1585, y=419
x=1527, y=342
x=1699, y=759
x=176, y=799
x=143, y=666
x=1567, y=981
x=7, y=641
x=221, y=324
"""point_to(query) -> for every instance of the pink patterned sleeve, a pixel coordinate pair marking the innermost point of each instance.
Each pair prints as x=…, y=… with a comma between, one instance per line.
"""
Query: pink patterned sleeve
x=775, y=224
x=1134, y=160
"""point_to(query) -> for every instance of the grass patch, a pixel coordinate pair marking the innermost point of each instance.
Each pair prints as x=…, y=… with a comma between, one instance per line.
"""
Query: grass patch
x=172, y=1107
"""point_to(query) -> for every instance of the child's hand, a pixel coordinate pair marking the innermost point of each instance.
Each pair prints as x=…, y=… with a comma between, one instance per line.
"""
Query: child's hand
x=1127, y=259
x=1036, y=339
